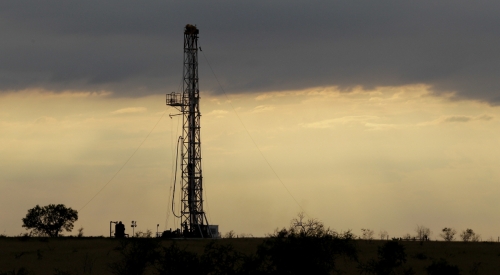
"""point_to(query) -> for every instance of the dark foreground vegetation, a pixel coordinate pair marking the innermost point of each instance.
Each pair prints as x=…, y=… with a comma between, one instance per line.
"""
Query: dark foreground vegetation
x=284, y=252
x=306, y=247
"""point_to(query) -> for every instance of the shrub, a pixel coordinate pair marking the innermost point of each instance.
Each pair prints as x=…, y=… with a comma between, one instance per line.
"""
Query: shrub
x=173, y=260
x=137, y=254
x=80, y=232
x=20, y=271
x=221, y=259
x=391, y=257
x=306, y=249
x=442, y=267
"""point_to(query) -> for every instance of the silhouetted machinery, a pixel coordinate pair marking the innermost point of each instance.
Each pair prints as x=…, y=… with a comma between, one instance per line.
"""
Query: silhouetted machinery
x=194, y=222
x=119, y=230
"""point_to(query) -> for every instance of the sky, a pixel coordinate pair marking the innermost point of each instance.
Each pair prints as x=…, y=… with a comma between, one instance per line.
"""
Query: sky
x=362, y=114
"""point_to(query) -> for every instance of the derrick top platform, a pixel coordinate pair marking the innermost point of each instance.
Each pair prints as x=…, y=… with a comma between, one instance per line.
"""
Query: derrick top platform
x=190, y=29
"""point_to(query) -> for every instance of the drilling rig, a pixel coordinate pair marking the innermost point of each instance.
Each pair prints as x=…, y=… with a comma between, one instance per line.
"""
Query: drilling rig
x=193, y=219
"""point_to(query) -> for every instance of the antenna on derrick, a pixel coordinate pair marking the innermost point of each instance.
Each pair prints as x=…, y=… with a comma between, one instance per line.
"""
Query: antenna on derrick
x=193, y=219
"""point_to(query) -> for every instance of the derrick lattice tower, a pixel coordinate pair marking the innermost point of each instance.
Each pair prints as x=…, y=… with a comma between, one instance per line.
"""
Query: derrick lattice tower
x=193, y=218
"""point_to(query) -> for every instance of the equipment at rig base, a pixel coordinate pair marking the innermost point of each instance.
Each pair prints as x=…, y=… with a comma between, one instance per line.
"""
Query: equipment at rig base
x=194, y=222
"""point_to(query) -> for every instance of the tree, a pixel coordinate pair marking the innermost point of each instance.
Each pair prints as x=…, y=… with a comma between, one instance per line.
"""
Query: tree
x=50, y=220
x=229, y=235
x=308, y=228
x=383, y=235
x=367, y=234
x=448, y=234
x=423, y=233
x=469, y=235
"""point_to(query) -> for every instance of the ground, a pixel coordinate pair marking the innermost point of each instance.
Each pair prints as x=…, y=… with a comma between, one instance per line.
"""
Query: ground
x=93, y=255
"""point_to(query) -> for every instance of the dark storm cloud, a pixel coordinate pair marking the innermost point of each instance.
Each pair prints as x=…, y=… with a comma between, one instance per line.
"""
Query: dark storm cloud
x=135, y=47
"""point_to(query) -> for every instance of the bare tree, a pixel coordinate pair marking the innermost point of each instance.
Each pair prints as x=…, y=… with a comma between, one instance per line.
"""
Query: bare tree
x=423, y=233
x=230, y=235
x=448, y=234
x=298, y=222
x=469, y=235
x=383, y=234
x=309, y=227
x=367, y=234
x=80, y=232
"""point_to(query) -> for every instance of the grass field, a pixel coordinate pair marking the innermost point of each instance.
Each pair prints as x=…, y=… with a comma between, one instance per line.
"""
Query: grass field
x=93, y=255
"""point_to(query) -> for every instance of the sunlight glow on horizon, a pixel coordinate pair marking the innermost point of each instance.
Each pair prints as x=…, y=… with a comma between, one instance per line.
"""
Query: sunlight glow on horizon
x=388, y=158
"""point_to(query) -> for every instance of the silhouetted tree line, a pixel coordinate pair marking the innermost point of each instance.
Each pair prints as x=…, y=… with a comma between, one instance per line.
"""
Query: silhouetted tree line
x=391, y=260
x=303, y=248
x=51, y=220
x=308, y=248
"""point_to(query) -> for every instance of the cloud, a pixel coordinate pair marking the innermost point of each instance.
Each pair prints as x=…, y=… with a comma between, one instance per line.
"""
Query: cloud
x=129, y=110
x=134, y=49
x=45, y=120
x=262, y=108
x=484, y=117
x=329, y=123
x=217, y=113
x=465, y=118
x=380, y=126
x=457, y=119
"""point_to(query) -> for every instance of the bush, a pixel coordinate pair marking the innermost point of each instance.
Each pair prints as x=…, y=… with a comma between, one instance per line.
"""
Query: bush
x=442, y=267
x=420, y=256
x=147, y=234
x=137, y=254
x=20, y=271
x=221, y=259
x=391, y=257
x=173, y=260
x=309, y=248
x=80, y=232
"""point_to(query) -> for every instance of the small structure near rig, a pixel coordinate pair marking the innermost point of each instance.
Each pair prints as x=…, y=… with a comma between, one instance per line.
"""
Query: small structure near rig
x=119, y=229
x=194, y=222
